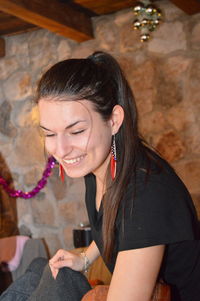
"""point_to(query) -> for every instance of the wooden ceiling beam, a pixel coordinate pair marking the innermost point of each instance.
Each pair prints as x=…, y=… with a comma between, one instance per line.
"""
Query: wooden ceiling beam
x=106, y=6
x=2, y=47
x=10, y=25
x=57, y=17
x=190, y=7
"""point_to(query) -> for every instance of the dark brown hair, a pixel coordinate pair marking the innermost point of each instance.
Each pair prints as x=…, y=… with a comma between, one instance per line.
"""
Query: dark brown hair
x=100, y=79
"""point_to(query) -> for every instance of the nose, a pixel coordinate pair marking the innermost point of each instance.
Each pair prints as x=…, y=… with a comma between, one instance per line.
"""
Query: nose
x=63, y=147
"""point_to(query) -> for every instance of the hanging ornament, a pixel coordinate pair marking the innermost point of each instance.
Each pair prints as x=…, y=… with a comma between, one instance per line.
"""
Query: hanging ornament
x=147, y=19
x=41, y=183
x=138, y=8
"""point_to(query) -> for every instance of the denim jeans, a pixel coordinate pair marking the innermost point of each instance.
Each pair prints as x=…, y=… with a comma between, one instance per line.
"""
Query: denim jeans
x=37, y=284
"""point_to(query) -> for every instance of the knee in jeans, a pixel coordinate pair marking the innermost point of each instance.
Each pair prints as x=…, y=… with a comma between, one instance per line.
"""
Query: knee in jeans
x=37, y=265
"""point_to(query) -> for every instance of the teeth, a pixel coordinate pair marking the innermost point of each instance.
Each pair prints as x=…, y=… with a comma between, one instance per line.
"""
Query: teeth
x=73, y=160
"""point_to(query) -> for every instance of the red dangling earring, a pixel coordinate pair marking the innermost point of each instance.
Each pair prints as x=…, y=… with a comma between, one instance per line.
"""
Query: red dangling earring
x=61, y=173
x=113, y=162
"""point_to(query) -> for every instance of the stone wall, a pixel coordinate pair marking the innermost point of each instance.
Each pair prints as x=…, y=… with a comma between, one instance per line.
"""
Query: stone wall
x=165, y=77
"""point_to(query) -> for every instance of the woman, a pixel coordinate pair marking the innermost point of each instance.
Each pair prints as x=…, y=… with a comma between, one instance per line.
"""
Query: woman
x=142, y=217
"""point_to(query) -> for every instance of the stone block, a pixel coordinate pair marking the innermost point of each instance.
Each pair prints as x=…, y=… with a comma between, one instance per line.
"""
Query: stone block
x=172, y=77
x=129, y=39
x=25, y=114
x=18, y=86
x=23, y=208
x=64, y=49
x=68, y=237
x=42, y=212
x=154, y=122
x=196, y=200
x=170, y=11
x=42, y=49
x=85, y=49
x=52, y=240
x=143, y=77
x=170, y=145
x=167, y=38
x=67, y=212
x=193, y=93
x=176, y=66
x=180, y=117
x=6, y=127
x=6, y=146
x=144, y=101
x=17, y=45
x=131, y=64
x=124, y=17
x=192, y=138
x=8, y=66
x=106, y=33
x=189, y=171
x=59, y=188
x=28, y=148
x=26, y=220
x=72, y=212
x=75, y=189
x=2, y=98
x=32, y=177
x=195, y=37
x=140, y=73
x=142, y=81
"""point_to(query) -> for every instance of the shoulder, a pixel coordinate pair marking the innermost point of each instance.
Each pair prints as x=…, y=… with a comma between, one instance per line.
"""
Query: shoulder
x=155, y=182
x=156, y=209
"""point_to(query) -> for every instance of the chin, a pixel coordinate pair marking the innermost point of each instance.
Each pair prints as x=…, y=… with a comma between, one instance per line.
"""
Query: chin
x=77, y=174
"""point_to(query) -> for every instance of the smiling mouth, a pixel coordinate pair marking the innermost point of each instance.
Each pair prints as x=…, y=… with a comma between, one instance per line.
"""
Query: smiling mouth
x=75, y=160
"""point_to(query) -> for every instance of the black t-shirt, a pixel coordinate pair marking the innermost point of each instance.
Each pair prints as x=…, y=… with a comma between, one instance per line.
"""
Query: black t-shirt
x=158, y=211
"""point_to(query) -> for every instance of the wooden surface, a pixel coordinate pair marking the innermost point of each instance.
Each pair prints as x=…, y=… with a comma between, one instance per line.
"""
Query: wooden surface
x=2, y=47
x=52, y=15
x=10, y=25
x=190, y=7
x=69, y=18
x=63, y=17
x=106, y=6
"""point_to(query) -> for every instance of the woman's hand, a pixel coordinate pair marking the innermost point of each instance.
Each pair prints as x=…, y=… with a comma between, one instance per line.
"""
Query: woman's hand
x=65, y=259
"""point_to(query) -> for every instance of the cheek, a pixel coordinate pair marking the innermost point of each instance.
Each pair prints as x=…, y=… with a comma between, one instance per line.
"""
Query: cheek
x=80, y=142
x=50, y=145
x=101, y=143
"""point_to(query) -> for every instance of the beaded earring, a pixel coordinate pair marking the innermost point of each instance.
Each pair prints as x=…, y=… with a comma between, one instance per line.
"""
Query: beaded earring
x=113, y=162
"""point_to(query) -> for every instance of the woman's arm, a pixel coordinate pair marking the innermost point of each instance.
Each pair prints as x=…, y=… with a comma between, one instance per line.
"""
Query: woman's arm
x=135, y=274
x=76, y=262
x=92, y=252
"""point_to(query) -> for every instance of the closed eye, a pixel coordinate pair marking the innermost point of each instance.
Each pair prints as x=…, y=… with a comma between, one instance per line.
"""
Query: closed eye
x=78, y=132
x=49, y=135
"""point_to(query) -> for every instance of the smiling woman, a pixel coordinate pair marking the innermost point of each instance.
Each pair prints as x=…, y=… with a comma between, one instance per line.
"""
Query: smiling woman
x=143, y=220
x=72, y=131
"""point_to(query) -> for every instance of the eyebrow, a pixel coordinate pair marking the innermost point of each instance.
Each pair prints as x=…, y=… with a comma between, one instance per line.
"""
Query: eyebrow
x=67, y=127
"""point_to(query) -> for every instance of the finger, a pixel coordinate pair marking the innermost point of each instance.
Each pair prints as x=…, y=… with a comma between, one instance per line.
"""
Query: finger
x=54, y=271
x=54, y=259
x=63, y=263
x=60, y=255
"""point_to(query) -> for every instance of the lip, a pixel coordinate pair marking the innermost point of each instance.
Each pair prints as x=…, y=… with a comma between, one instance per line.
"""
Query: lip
x=73, y=161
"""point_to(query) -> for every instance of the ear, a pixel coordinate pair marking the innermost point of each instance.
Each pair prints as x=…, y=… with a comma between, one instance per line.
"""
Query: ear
x=117, y=118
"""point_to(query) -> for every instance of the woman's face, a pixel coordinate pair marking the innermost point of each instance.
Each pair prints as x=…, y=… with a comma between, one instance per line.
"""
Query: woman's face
x=76, y=136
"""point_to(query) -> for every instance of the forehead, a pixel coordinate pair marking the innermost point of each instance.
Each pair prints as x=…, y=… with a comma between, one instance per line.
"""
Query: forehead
x=51, y=111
